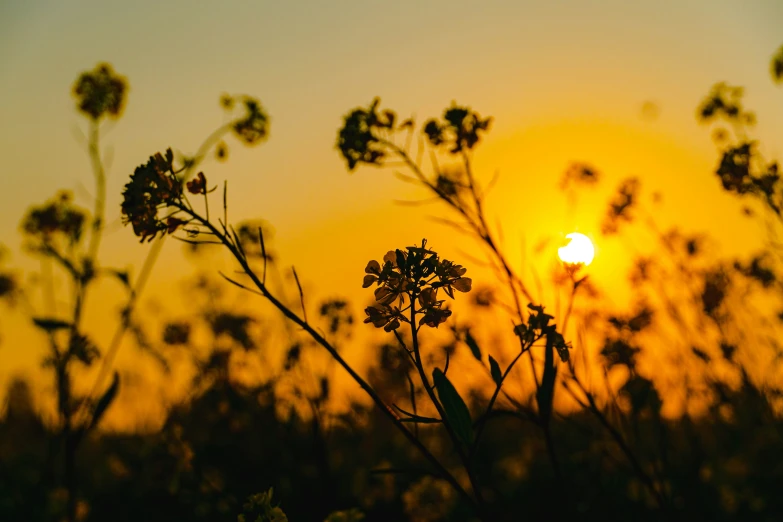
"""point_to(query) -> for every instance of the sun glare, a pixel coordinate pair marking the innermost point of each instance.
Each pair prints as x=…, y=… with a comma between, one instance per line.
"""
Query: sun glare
x=579, y=250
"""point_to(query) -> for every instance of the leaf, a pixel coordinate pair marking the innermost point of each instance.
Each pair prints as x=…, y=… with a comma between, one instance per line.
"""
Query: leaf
x=123, y=276
x=49, y=324
x=456, y=410
x=494, y=370
x=473, y=345
x=400, y=260
x=105, y=401
x=546, y=392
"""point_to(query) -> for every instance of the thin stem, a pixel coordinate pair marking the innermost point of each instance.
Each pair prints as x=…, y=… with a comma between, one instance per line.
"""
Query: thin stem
x=441, y=411
x=483, y=421
x=100, y=192
x=387, y=411
x=620, y=441
x=119, y=332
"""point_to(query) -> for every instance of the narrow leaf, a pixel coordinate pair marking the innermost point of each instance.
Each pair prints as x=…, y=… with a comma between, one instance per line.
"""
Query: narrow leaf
x=412, y=417
x=494, y=370
x=457, y=413
x=473, y=345
x=546, y=392
x=49, y=324
x=105, y=401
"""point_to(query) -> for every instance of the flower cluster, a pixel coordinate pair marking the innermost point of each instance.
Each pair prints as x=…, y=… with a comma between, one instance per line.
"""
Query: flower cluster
x=725, y=101
x=538, y=326
x=198, y=185
x=358, y=139
x=413, y=276
x=459, y=129
x=361, y=139
x=153, y=186
x=100, y=92
x=253, y=127
x=56, y=218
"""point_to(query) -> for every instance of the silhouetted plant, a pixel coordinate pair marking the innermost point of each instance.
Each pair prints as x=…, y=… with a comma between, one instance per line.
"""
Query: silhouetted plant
x=68, y=236
x=617, y=456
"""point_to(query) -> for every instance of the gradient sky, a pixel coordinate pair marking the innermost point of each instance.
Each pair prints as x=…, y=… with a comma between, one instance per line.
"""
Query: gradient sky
x=565, y=81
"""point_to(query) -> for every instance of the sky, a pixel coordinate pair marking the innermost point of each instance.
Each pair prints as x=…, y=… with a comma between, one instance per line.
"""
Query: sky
x=564, y=80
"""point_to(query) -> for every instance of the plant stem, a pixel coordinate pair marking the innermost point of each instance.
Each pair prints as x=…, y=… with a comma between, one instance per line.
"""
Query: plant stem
x=431, y=393
x=290, y=315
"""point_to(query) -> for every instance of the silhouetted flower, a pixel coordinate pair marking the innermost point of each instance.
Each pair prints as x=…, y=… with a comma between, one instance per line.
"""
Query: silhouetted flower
x=172, y=224
x=58, y=216
x=413, y=275
x=83, y=349
x=620, y=206
x=715, y=287
x=176, y=333
x=221, y=151
x=227, y=102
x=776, y=66
x=254, y=126
x=357, y=140
x=579, y=173
x=197, y=185
x=249, y=233
x=235, y=326
x=338, y=312
x=383, y=316
x=153, y=186
x=459, y=129
x=734, y=168
x=8, y=286
x=726, y=102
x=435, y=316
x=100, y=92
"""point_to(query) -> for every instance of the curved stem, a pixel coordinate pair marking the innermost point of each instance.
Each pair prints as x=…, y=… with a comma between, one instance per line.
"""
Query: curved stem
x=387, y=411
x=483, y=421
x=100, y=191
x=441, y=411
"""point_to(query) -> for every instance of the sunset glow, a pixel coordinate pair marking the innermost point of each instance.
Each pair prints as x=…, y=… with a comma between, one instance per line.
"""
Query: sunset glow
x=333, y=261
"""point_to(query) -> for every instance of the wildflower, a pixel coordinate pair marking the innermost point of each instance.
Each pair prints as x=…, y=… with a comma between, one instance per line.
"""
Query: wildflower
x=450, y=276
x=227, y=102
x=152, y=186
x=100, y=92
x=58, y=216
x=357, y=139
x=254, y=127
x=176, y=333
x=459, y=129
x=8, y=286
x=221, y=151
x=172, y=224
x=435, y=316
x=197, y=185
x=383, y=316
x=414, y=275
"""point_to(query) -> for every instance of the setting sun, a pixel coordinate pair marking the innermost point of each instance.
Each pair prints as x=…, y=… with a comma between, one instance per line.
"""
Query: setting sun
x=579, y=250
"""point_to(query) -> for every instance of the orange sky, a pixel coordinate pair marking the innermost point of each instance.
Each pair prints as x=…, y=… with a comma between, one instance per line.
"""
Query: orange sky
x=565, y=81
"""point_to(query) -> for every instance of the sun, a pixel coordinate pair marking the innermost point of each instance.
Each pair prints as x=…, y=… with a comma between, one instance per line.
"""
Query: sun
x=578, y=251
